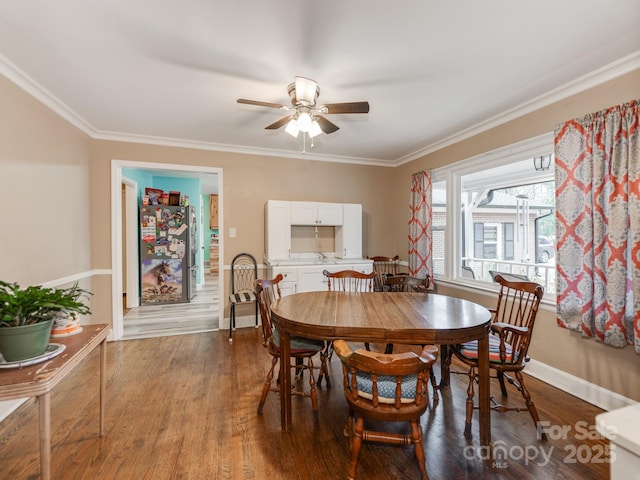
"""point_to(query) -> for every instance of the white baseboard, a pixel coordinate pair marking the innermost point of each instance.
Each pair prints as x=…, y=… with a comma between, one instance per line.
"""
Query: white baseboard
x=584, y=390
x=241, y=322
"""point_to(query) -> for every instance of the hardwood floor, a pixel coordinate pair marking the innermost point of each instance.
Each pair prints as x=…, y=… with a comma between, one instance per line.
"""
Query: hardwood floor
x=199, y=315
x=184, y=407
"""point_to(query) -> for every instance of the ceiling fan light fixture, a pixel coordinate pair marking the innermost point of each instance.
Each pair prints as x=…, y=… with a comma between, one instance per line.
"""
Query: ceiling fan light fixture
x=292, y=128
x=306, y=90
x=304, y=122
x=315, y=129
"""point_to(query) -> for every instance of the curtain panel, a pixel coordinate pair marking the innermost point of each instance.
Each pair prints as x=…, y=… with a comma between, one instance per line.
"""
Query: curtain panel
x=420, y=215
x=597, y=165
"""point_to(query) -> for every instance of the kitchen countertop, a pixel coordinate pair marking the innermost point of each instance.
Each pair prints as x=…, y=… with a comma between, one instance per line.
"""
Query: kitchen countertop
x=302, y=261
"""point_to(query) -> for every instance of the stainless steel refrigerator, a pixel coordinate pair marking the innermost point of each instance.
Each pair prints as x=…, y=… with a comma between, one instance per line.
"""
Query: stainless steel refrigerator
x=168, y=249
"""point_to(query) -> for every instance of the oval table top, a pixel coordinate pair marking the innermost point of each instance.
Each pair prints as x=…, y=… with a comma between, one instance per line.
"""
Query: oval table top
x=386, y=317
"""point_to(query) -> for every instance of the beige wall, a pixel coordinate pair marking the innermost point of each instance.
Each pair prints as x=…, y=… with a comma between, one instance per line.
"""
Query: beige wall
x=612, y=369
x=248, y=182
x=44, y=180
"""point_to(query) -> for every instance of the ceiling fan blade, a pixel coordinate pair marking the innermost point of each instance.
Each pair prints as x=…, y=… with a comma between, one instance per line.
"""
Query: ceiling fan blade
x=325, y=125
x=306, y=90
x=279, y=123
x=261, y=104
x=347, y=107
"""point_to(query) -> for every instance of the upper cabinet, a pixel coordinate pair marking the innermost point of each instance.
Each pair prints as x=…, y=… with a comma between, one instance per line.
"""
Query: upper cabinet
x=213, y=212
x=312, y=213
x=349, y=235
x=283, y=219
x=277, y=229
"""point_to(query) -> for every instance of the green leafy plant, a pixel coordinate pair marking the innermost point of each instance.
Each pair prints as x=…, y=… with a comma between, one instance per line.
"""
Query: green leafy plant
x=35, y=304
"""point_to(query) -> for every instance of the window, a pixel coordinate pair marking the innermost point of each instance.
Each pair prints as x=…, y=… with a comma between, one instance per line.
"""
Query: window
x=439, y=202
x=508, y=240
x=504, y=220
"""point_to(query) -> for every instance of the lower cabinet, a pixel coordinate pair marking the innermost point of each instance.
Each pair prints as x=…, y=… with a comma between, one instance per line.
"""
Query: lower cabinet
x=290, y=278
x=309, y=278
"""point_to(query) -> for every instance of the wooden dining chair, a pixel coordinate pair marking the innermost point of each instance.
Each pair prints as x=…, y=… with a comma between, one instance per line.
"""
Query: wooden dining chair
x=384, y=267
x=386, y=388
x=407, y=283
x=268, y=291
x=509, y=339
x=350, y=281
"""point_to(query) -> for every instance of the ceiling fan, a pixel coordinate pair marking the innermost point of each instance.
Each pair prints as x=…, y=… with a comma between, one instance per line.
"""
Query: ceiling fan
x=307, y=115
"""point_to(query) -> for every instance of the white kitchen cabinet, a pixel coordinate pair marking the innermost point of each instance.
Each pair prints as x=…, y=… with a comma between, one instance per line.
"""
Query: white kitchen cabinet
x=311, y=279
x=312, y=213
x=289, y=283
x=349, y=235
x=277, y=229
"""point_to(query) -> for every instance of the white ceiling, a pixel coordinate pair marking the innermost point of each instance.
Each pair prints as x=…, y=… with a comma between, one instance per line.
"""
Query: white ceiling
x=169, y=72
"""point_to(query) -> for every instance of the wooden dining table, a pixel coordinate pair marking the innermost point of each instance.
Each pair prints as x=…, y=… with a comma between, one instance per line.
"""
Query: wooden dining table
x=383, y=317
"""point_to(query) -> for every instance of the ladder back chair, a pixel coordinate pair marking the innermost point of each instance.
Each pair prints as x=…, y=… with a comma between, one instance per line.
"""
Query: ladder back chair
x=350, y=281
x=244, y=272
x=509, y=339
x=268, y=291
x=386, y=388
x=384, y=267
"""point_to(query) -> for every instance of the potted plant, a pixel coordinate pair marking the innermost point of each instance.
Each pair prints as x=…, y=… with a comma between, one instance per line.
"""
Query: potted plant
x=67, y=322
x=27, y=315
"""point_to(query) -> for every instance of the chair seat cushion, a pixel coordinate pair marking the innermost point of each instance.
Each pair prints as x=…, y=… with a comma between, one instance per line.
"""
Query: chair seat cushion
x=470, y=350
x=387, y=388
x=242, y=297
x=299, y=344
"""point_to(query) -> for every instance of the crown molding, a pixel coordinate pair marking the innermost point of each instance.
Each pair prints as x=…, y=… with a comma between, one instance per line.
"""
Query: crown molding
x=22, y=80
x=221, y=147
x=608, y=72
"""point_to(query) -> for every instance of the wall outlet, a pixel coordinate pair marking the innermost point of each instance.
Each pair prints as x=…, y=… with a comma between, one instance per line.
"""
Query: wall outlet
x=232, y=233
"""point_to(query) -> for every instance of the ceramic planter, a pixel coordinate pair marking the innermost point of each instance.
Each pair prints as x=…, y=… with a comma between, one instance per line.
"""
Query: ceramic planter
x=27, y=341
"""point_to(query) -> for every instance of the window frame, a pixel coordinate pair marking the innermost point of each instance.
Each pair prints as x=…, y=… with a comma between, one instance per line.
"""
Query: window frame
x=452, y=174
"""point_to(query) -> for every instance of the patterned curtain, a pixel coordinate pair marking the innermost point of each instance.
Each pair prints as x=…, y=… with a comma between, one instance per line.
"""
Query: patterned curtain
x=420, y=226
x=597, y=161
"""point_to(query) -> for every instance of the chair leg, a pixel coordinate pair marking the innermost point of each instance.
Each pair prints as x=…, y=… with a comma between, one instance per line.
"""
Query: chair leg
x=470, y=394
x=445, y=366
x=313, y=393
x=530, y=406
x=435, y=386
x=256, y=314
x=267, y=385
x=416, y=435
x=356, y=444
x=503, y=388
x=325, y=358
x=232, y=320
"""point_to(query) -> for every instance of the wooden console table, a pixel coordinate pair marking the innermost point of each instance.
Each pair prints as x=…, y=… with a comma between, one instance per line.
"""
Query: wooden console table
x=38, y=380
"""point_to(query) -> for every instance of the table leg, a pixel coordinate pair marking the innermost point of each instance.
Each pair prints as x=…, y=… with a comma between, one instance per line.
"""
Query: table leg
x=285, y=380
x=484, y=391
x=103, y=371
x=44, y=407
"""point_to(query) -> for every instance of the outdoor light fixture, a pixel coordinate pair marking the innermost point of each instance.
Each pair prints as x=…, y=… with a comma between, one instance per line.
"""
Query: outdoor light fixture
x=542, y=163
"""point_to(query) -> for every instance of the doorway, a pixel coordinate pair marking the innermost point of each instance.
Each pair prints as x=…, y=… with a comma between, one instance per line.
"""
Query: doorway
x=124, y=268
